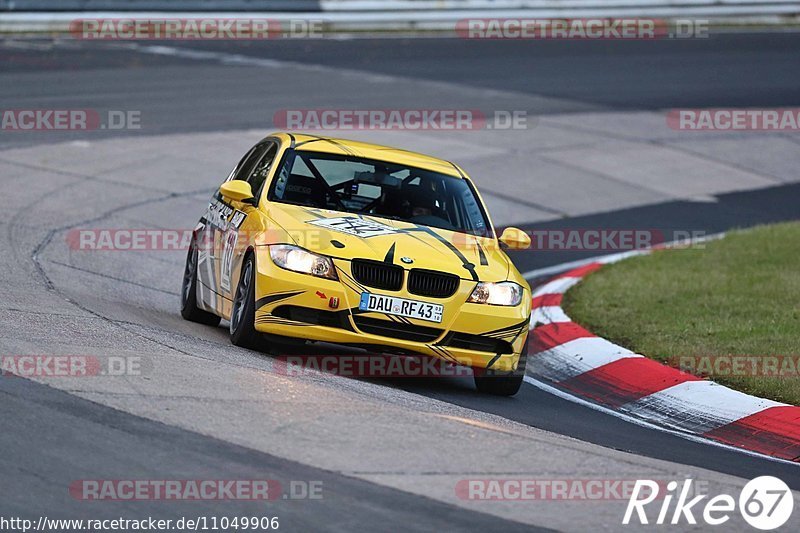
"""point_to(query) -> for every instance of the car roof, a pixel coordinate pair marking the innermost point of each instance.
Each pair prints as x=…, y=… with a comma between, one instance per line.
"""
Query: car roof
x=330, y=145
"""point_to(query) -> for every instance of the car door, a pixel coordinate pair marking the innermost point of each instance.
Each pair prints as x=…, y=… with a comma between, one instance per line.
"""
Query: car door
x=244, y=223
x=214, y=233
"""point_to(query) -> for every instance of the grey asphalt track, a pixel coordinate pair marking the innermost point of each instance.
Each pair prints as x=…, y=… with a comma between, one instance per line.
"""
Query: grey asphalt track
x=53, y=299
x=104, y=444
x=178, y=95
x=723, y=70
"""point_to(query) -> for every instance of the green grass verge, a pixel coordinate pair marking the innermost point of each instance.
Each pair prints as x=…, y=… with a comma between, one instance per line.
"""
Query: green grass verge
x=738, y=296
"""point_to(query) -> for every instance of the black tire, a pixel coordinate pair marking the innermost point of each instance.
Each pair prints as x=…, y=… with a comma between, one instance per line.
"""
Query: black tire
x=503, y=383
x=243, y=313
x=189, y=309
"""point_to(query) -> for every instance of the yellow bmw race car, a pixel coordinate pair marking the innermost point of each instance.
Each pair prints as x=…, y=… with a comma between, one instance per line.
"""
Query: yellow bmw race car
x=362, y=245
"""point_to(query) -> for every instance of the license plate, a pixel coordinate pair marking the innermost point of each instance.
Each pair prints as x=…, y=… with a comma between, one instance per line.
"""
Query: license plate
x=401, y=307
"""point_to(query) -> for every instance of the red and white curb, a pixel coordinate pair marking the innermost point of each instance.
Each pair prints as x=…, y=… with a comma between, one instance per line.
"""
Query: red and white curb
x=578, y=363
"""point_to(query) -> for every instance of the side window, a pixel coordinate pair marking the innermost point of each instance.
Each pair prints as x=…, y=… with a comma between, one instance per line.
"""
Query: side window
x=260, y=171
x=247, y=163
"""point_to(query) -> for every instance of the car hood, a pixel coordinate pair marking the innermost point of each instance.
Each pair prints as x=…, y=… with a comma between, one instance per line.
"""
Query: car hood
x=350, y=236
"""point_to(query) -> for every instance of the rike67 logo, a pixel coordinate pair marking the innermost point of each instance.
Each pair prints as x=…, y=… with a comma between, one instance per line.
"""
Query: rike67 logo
x=765, y=503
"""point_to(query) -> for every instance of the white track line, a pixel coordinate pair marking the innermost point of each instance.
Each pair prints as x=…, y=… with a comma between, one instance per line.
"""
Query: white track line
x=577, y=357
x=703, y=406
x=562, y=285
x=638, y=422
x=557, y=286
x=549, y=314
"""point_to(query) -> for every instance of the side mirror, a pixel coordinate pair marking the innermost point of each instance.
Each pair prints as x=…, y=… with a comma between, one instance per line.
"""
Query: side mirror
x=515, y=238
x=236, y=190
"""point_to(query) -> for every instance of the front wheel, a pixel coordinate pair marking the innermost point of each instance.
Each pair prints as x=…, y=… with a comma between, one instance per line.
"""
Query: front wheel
x=243, y=314
x=503, y=383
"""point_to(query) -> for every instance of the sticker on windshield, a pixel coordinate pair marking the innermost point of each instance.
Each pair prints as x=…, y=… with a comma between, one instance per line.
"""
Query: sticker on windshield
x=359, y=227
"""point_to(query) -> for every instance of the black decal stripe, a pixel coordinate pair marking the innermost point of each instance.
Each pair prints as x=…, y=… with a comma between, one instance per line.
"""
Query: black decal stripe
x=283, y=323
x=280, y=321
x=512, y=336
x=350, y=278
x=501, y=335
x=513, y=328
x=272, y=298
x=448, y=354
x=411, y=231
x=344, y=147
x=343, y=315
x=399, y=319
x=523, y=329
x=352, y=288
x=313, y=211
x=484, y=261
x=466, y=264
x=493, y=360
x=504, y=334
x=390, y=255
x=307, y=142
x=442, y=352
x=435, y=349
x=355, y=288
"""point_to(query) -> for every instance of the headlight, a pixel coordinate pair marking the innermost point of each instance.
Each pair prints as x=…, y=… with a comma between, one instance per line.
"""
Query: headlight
x=296, y=259
x=505, y=293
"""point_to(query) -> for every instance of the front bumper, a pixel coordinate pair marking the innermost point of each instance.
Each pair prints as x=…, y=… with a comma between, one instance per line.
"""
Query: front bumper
x=298, y=305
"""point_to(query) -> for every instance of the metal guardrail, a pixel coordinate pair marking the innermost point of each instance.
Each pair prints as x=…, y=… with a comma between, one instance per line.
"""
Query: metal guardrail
x=21, y=16
x=388, y=6
x=441, y=9
x=161, y=5
x=403, y=5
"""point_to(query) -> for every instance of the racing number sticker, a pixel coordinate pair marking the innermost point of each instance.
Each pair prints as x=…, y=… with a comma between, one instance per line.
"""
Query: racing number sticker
x=229, y=246
x=237, y=219
x=360, y=227
x=227, y=259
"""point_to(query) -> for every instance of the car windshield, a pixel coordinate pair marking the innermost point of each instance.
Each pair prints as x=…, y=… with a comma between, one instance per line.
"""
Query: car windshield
x=379, y=189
